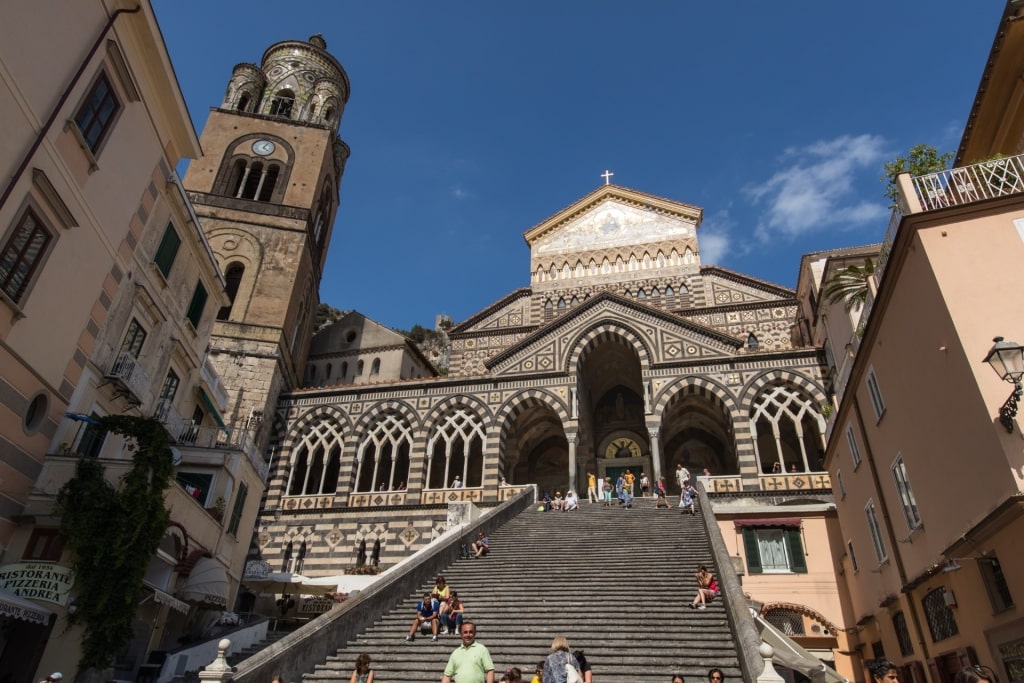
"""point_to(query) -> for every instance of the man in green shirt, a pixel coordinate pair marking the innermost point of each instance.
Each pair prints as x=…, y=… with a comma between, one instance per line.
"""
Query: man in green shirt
x=470, y=662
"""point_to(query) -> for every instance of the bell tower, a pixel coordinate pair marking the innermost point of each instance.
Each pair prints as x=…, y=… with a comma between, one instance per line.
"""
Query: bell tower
x=266, y=193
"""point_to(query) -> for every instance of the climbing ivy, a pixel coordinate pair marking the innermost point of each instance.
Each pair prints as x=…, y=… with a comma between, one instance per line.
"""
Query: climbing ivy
x=114, y=531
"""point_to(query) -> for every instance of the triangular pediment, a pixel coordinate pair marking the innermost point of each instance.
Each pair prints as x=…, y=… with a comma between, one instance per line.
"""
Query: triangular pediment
x=668, y=338
x=611, y=217
x=511, y=311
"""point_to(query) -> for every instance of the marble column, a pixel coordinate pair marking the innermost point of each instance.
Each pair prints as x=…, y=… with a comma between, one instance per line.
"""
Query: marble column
x=574, y=440
x=652, y=432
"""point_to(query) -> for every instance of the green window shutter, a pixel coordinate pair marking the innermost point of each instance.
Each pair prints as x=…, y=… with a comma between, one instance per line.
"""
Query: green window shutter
x=753, y=551
x=236, y=512
x=797, y=561
x=195, y=309
x=167, y=250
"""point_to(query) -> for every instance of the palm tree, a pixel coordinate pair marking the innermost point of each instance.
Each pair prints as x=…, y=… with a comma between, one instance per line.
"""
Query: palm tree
x=849, y=285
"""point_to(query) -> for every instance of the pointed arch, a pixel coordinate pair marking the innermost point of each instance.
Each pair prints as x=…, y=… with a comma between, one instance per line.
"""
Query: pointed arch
x=603, y=332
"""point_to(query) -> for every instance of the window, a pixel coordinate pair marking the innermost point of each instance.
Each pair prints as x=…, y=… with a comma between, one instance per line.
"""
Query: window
x=238, y=509
x=134, y=338
x=906, y=494
x=899, y=624
x=876, y=532
x=90, y=444
x=232, y=278
x=359, y=368
x=196, y=484
x=22, y=254
x=995, y=583
x=170, y=387
x=875, y=393
x=35, y=412
x=790, y=622
x=853, y=557
x=195, y=308
x=382, y=461
x=940, y=618
x=253, y=180
x=167, y=250
x=774, y=550
x=282, y=103
x=456, y=449
x=97, y=113
x=316, y=462
x=752, y=343
x=854, y=449
x=243, y=102
x=44, y=545
x=841, y=484
x=375, y=367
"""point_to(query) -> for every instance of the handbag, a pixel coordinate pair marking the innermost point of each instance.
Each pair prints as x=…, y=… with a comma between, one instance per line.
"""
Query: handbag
x=572, y=675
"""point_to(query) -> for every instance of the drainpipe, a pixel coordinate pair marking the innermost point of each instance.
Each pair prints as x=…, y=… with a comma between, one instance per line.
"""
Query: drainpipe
x=60, y=104
x=893, y=541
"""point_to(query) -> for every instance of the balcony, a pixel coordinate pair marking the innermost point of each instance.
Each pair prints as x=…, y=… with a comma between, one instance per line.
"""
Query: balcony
x=212, y=381
x=128, y=373
x=966, y=184
x=172, y=420
x=223, y=438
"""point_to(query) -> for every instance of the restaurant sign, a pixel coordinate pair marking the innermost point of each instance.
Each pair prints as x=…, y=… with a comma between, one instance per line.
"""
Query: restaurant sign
x=38, y=581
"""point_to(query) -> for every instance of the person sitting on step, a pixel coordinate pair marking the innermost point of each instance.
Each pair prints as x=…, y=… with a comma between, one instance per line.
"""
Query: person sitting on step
x=707, y=588
x=453, y=615
x=440, y=594
x=558, y=503
x=571, y=501
x=426, y=613
x=482, y=545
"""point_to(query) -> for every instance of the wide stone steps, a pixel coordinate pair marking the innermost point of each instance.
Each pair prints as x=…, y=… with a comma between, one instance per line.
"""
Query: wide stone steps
x=617, y=583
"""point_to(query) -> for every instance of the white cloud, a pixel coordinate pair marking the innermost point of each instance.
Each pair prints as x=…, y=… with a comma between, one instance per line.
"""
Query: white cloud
x=460, y=193
x=715, y=238
x=816, y=190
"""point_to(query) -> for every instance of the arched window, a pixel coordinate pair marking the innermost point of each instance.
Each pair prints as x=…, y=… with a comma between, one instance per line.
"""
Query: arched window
x=752, y=343
x=561, y=304
x=688, y=256
x=232, y=278
x=375, y=367
x=323, y=211
x=243, y=102
x=253, y=180
x=328, y=115
x=641, y=294
x=312, y=111
x=786, y=427
x=316, y=461
x=375, y=558
x=327, y=372
x=383, y=458
x=265, y=188
x=456, y=449
x=669, y=291
x=282, y=103
x=788, y=621
x=238, y=169
x=251, y=184
x=359, y=369
x=344, y=370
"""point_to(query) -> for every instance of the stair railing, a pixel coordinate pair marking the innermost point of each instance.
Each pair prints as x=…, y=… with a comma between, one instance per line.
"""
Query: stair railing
x=747, y=638
x=311, y=644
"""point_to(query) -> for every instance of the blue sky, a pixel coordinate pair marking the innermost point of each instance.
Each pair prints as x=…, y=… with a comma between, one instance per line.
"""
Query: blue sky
x=471, y=121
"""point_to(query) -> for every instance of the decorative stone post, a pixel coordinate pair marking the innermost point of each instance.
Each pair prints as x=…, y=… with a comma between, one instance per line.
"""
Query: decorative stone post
x=652, y=432
x=769, y=674
x=219, y=669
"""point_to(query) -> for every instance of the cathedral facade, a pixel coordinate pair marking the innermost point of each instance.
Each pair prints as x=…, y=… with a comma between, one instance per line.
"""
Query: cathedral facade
x=624, y=352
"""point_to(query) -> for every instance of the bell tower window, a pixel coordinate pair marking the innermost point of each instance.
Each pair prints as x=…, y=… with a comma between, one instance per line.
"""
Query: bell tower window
x=232, y=278
x=243, y=102
x=282, y=103
x=253, y=180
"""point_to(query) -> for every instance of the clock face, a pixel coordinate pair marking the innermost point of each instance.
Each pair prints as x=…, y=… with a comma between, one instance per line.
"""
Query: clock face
x=263, y=147
x=622, y=448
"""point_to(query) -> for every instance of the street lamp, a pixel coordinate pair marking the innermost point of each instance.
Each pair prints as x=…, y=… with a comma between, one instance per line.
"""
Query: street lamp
x=1007, y=359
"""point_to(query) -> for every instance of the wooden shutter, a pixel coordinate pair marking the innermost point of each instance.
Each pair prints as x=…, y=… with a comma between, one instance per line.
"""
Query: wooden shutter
x=797, y=560
x=752, y=550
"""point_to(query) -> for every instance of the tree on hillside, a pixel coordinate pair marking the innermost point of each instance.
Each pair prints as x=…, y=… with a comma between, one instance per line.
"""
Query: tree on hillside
x=327, y=314
x=920, y=160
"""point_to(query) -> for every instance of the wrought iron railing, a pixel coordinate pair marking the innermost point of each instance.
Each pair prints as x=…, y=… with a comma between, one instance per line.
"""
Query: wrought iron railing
x=127, y=371
x=172, y=420
x=965, y=184
x=221, y=438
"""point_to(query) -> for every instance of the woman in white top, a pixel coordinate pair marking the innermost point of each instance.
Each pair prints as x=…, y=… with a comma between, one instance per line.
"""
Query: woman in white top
x=572, y=502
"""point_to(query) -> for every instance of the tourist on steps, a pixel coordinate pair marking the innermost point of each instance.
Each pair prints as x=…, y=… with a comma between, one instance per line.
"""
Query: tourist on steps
x=707, y=588
x=482, y=545
x=588, y=673
x=554, y=665
x=471, y=661
x=538, y=675
x=426, y=613
x=688, y=498
x=592, y=494
x=659, y=490
x=716, y=676
x=440, y=594
x=607, y=490
x=558, y=503
x=678, y=678
x=362, y=673
x=453, y=615
x=682, y=478
x=571, y=501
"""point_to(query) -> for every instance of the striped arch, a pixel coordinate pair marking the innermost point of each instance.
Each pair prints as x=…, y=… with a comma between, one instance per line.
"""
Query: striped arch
x=803, y=610
x=457, y=439
x=302, y=423
x=719, y=396
x=371, y=416
x=606, y=332
x=404, y=466
x=515, y=406
x=761, y=402
x=506, y=417
x=482, y=409
x=755, y=386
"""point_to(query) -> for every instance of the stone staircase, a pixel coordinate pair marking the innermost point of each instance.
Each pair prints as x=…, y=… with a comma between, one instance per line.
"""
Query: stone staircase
x=236, y=658
x=616, y=582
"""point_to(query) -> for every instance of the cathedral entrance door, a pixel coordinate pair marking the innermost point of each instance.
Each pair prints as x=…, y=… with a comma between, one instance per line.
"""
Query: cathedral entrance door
x=613, y=472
